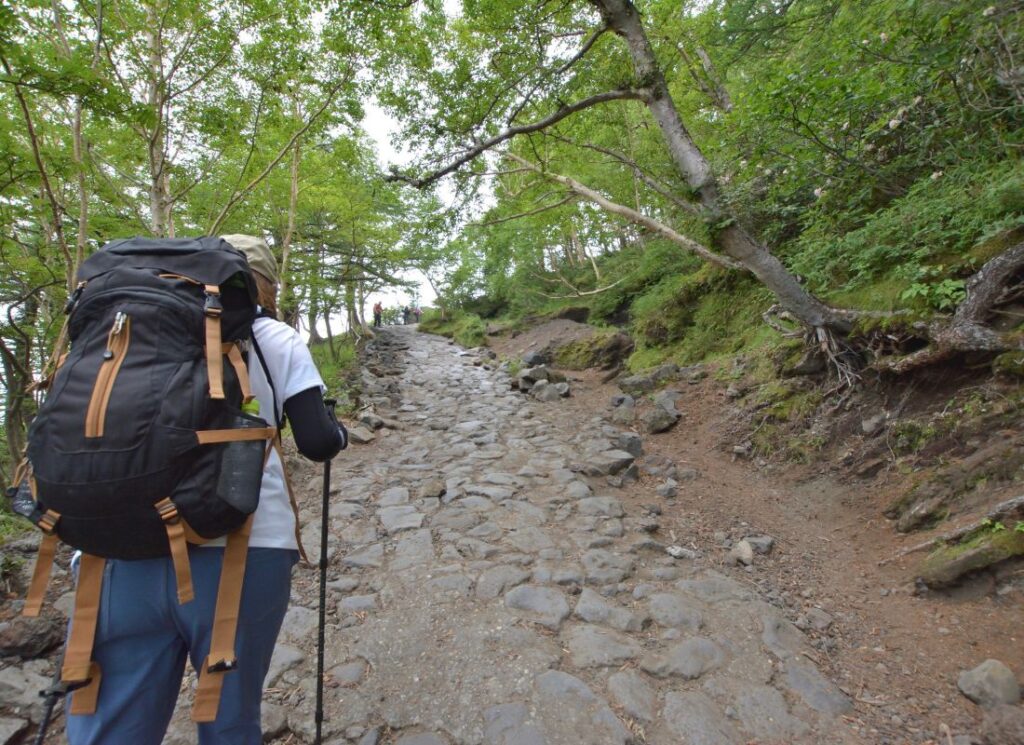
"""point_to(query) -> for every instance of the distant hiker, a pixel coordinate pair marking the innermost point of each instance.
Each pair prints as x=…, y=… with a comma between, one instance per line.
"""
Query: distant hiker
x=378, y=314
x=417, y=311
x=405, y=315
x=151, y=612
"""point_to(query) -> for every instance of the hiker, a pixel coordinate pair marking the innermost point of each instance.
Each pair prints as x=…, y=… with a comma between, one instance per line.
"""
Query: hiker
x=378, y=314
x=417, y=312
x=405, y=315
x=144, y=635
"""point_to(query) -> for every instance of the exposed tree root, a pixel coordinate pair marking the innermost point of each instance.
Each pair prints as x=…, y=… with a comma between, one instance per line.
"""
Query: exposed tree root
x=997, y=283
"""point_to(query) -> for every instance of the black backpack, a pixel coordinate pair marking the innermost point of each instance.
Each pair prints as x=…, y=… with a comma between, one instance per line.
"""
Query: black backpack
x=126, y=457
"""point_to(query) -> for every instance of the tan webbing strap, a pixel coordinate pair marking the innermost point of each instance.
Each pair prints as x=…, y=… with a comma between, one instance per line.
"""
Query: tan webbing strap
x=214, y=436
x=291, y=498
x=214, y=357
x=78, y=665
x=179, y=549
x=221, y=659
x=83, y=700
x=40, y=575
x=235, y=358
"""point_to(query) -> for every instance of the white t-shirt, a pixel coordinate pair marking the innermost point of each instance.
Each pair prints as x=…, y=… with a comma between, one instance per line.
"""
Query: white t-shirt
x=292, y=370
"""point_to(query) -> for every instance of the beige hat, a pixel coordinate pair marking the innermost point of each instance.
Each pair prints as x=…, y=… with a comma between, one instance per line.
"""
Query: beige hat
x=258, y=253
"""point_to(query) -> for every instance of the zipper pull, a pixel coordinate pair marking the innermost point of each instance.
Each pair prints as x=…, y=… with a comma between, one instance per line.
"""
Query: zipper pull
x=73, y=299
x=119, y=319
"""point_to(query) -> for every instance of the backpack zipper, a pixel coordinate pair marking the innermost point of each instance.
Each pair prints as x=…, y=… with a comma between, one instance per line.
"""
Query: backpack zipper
x=117, y=348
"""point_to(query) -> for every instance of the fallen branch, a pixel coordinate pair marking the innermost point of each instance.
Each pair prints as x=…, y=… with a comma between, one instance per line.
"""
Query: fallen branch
x=998, y=512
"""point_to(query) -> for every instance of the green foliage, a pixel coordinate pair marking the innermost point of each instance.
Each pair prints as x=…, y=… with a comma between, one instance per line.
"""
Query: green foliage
x=338, y=364
x=466, y=329
x=921, y=241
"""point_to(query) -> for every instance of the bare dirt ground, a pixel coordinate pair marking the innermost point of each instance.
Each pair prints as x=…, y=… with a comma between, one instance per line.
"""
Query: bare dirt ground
x=897, y=649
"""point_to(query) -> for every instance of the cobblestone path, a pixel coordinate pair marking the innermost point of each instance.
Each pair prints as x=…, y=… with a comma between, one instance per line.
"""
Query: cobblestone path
x=487, y=586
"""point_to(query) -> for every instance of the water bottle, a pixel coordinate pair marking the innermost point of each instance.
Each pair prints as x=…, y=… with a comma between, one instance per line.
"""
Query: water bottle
x=241, y=467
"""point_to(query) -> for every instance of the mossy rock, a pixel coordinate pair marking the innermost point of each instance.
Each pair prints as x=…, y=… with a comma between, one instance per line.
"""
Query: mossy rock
x=1009, y=364
x=947, y=564
x=601, y=349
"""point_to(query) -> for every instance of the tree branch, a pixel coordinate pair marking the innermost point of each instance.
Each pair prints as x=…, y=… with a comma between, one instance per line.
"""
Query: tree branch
x=639, y=171
x=633, y=216
x=634, y=94
x=529, y=213
x=238, y=196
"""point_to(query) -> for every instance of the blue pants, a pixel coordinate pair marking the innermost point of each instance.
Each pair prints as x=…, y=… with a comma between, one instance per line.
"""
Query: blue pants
x=143, y=637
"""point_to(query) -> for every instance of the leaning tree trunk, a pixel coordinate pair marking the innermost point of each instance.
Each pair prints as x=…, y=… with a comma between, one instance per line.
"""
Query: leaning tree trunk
x=733, y=240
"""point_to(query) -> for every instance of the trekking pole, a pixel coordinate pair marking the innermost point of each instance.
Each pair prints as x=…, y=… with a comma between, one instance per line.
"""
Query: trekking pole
x=57, y=690
x=324, y=510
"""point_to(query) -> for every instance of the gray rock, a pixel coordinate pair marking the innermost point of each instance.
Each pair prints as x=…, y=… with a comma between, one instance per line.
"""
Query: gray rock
x=742, y=553
x=422, y=738
x=603, y=567
x=573, y=714
x=360, y=435
x=543, y=605
x=657, y=420
x=624, y=415
x=396, y=519
x=349, y=673
x=634, y=695
x=357, y=604
x=763, y=713
x=577, y=490
x=371, y=556
x=511, y=724
x=273, y=720
x=695, y=719
x=689, y=659
x=675, y=611
x=609, y=462
x=432, y=489
x=28, y=638
x=11, y=728
x=631, y=443
x=668, y=489
x=534, y=374
x=819, y=619
x=414, y=548
x=284, y=658
x=451, y=585
x=591, y=646
x=394, y=496
x=298, y=623
x=600, y=506
x=815, y=689
x=371, y=420
x=872, y=425
x=593, y=608
x=371, y=737
x=667, y=401
x=1003, y=725
x=990, y=684
x=496, y=580
x=762, y=544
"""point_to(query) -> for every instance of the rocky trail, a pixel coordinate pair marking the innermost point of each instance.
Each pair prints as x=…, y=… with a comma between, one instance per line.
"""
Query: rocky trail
x=488, y=586
x=526, y=570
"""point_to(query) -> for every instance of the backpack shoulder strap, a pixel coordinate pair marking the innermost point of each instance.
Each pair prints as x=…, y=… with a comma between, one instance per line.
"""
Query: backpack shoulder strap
x=278, y=411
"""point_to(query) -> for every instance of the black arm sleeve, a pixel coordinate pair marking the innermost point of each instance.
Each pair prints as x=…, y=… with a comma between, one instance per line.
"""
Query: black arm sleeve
x=316, y=434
